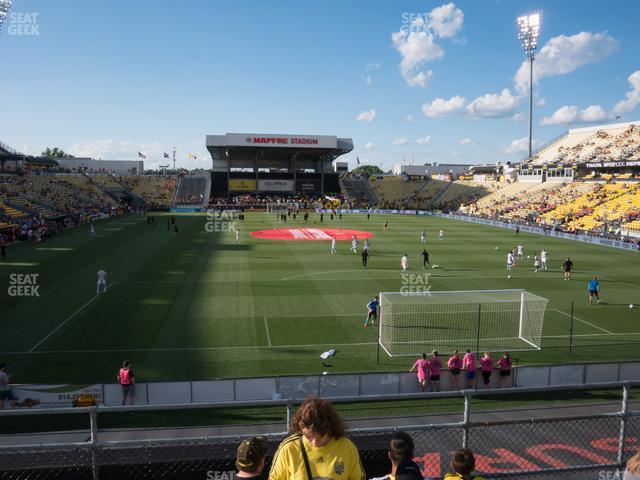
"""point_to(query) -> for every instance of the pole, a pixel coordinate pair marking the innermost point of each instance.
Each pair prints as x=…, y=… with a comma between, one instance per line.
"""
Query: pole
x=623, y=426
x=379, y=334
x=465, y=420
x=478, y=343
x=530, y=103
x=571, y=330
x=174, y=159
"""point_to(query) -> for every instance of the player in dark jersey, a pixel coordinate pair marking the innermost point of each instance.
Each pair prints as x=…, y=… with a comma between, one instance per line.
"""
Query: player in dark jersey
x=567, y=266
x=425, y=258
x=365, y=256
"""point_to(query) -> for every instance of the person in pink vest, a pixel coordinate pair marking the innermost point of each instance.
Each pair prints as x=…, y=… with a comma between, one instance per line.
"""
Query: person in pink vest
x=504, y=364
x=455, y=365
x=435, y=365
x=469, y=365
x=486, y=365
x=422, y=366
x=127, y=381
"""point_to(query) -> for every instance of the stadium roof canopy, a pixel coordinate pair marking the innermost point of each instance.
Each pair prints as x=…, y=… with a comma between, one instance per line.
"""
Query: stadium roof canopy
x=259, y=150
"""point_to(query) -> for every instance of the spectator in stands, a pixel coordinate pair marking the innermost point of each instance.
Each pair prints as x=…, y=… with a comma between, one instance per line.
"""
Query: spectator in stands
x=486, y=365
x=504, y=364
x=250, y=458
x=317, y=446
x=401, y=455
x=632, y=472
x=127, y=381
x=463, y=463
x=5, y=388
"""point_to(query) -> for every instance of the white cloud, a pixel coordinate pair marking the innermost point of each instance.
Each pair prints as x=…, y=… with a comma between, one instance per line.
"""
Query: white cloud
x=564, y=54
x=446, y=20
x=409, y=118
x=492, y=105
x=440, y=107
x=467, y=141
x=416, y=48
x=573, y=114
x=369, y=146
x=541, y=102
x=518, y=145
x=401, y=141
x=111, y=149
x=372, y=66
x=594, y=113
x=423, y=140
x=632, y=98
x=518, y=117
x=366, y=116
x=369, y=80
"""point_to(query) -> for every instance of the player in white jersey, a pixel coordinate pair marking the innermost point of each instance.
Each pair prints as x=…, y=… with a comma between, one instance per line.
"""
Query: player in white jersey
x=354, y=244
x=441, y=234
x=404, y=263
x=543, y=259
x=333, y=245
x=237, y=235
x=423, y=237
x=92, y=231
x=509, y=261
x=536, y=263
x=102, y=281
x=366, y=244
x=520, y=250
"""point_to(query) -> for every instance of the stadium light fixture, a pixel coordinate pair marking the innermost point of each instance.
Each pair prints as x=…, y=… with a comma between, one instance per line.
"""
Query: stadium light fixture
x=5, y=6
x=528, y=33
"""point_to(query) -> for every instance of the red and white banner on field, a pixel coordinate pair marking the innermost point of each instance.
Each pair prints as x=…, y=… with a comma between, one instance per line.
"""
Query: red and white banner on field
x=310, y=234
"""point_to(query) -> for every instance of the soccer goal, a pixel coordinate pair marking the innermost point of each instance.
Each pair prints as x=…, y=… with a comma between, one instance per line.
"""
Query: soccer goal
x=482, y=320
x=280, y=208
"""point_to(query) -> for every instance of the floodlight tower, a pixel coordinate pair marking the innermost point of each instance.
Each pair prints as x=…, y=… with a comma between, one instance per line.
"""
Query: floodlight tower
x=5, y=6
x=528, y=32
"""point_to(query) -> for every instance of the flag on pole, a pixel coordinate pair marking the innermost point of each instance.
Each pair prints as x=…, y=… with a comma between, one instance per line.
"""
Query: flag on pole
x=166, y=155
x=358, y=160
x=140, y=155
x=192, y=156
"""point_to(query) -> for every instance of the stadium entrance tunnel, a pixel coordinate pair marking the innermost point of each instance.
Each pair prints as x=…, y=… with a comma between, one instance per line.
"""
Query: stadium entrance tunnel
x=310, y=234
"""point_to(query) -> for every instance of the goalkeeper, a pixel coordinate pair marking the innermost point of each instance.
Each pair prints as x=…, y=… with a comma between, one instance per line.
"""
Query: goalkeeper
x=372, y=311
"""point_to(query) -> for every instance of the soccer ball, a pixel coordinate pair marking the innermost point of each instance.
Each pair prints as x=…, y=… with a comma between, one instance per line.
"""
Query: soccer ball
x=495, y=248
x=508, y=276
x=631, y=305
x=528, y=257
x=325, y=373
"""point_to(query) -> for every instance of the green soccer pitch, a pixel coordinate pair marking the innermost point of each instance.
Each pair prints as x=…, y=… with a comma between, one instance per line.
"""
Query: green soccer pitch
x=194, y=305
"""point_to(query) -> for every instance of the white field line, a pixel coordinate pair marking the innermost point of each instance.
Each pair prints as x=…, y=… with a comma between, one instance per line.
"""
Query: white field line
x=70, y=317
x=266, y=328
x=584, y=321
x=593, y=335
x=618, y=281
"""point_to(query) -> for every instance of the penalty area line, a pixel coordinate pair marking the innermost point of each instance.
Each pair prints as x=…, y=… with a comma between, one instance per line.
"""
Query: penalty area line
x=69, y=318
x=266, y=329
x=584, y=321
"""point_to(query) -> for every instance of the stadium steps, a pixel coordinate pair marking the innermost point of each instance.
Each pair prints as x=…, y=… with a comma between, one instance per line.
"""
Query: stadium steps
x=442, y=193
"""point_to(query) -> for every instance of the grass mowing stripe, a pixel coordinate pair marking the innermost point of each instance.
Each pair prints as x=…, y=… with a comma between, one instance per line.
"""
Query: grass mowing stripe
x=266, y=329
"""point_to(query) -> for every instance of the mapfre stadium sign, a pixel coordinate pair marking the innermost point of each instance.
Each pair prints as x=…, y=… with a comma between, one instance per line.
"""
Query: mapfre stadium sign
x=294, y=141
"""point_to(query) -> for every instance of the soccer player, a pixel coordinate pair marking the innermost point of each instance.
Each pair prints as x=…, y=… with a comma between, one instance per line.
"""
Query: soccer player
x=543, y=259
x=404, y=263
x=333, y=245
x=536, y=263
x=455, y=364
x=237, y=235
x=441, y=234
x=423, y=237
x=354, y=244
x=517, y=230
x=509, y=261
x=434, y=369
x=504, y=364
x=469, y=364
x=366, y=244
x=92, y=231
x=594, y=289
x=386, y=225
x=520, y=250
x=425, y=258
x=486, y=365
x=567, y=266
x=372, y=311
x=365, y=256
x=422, y=365
x=102, y=281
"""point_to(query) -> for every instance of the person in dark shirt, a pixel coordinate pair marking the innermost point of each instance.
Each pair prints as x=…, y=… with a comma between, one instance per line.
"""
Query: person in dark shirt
x=365, y=256
x=567, y=266
x=425, y=258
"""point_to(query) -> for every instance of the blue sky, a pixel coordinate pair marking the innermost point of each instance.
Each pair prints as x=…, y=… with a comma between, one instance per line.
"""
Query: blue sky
x=421, y=81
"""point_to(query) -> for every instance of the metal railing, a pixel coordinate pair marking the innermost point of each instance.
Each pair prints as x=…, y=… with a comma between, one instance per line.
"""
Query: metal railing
x=504, y=447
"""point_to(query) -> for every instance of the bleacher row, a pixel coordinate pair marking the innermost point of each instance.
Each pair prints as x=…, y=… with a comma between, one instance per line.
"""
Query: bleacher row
x=52, y=196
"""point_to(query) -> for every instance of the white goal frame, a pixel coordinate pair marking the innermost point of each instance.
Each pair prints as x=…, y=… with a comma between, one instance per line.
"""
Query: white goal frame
x=516, y=314
x=273, y=207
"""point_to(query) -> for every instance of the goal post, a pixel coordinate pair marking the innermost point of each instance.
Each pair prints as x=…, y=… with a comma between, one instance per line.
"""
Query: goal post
x=487, y=320
x=282, y=207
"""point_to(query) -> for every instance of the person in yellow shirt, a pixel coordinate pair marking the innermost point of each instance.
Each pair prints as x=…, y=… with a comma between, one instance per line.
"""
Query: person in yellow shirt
x=463, y=464
x=317, y=447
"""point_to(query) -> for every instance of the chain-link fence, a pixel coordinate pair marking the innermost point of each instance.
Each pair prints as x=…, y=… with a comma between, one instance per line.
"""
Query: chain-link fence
x=590, y=446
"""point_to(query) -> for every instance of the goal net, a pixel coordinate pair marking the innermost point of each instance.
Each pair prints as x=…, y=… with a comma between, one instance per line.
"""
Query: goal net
x=482, y=320
x=283, y=207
